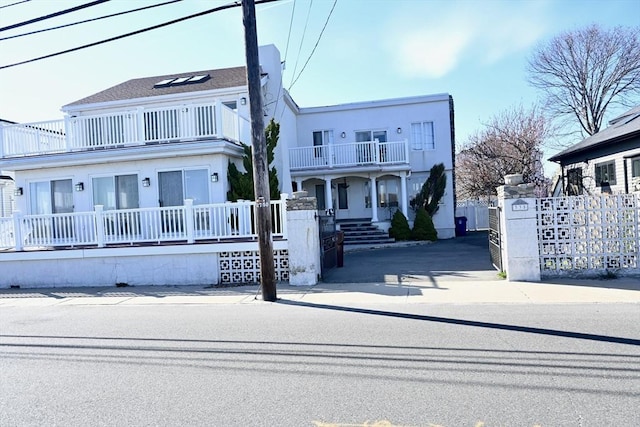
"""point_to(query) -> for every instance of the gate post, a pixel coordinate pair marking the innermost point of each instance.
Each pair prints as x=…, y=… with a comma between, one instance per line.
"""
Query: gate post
x=519, y=229
x=303, y=240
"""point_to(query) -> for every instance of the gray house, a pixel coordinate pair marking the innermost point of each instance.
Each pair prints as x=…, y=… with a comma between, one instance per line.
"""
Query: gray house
x=605, y=162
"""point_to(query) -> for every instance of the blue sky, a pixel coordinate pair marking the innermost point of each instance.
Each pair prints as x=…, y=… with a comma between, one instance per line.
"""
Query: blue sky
x=371, y=49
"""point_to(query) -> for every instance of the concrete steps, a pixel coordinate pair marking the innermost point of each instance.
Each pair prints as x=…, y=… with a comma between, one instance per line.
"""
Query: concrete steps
x=362, y=232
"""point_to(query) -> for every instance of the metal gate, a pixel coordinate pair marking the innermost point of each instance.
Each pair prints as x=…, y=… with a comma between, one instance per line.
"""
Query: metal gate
x=328, y=241
x=495, y=250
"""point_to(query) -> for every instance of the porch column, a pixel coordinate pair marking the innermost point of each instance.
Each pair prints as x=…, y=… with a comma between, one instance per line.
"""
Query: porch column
x=403, y=194
x=299, y=185
x=374, y=200
x=327, y=194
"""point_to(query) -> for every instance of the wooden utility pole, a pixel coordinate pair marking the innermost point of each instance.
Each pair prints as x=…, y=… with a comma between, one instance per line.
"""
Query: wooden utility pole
x=259, y=150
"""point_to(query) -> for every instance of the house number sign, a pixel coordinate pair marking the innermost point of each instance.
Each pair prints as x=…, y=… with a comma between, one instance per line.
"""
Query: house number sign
x=520, y=205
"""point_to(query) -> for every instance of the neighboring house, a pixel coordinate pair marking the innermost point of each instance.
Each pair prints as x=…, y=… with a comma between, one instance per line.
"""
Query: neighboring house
x=156, y=141
x=606, y=162
x=7, y=186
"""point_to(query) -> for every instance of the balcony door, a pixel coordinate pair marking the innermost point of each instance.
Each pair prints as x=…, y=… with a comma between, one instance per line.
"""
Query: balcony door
x=175, y=187
x=52, y=197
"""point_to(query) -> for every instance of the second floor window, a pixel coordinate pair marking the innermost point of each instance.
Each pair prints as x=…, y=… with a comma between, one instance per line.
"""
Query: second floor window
x=422, y=137
x=635, y=168
x=322, y=137
x=605, y=173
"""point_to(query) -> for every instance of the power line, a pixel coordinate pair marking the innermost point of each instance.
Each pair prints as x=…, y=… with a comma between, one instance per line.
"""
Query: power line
x=316, y=45
x=286, y=51
x=14, y=4
x=89, y=20
x=304, y=32
x=53, y=15
x=206, y=12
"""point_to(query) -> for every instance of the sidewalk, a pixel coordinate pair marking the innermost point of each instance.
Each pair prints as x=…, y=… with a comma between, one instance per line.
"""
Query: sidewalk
x=621, y=290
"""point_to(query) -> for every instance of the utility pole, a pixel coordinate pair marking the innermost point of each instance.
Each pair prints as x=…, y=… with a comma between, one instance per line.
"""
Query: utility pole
x=259, y=151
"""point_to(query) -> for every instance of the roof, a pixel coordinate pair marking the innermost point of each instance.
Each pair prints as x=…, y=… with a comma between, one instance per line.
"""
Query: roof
x=622, y=127
x=144, y=87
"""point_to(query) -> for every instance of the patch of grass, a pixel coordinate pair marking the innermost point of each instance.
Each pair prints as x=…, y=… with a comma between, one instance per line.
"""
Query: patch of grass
x=502, y=275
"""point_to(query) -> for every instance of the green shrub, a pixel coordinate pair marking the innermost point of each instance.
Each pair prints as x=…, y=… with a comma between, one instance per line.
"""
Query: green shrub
x=400, y=229
x=423, y=228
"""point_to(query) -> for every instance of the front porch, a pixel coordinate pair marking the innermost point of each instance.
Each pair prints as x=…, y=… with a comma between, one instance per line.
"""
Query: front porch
x=130, y=128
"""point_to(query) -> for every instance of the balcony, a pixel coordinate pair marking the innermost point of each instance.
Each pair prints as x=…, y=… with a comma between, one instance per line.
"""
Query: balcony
x=141, y=126
x=350, y=155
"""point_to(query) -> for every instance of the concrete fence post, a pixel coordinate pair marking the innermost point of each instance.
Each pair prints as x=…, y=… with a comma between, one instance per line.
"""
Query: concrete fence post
x=304, y=240
x=519, y=229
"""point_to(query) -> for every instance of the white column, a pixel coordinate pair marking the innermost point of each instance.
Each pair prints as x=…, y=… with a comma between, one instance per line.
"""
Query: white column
x=218, y=118
x=304, y=249
x=299, y=184
x=190, y=226
x=99, y=209
x=327, y=193
x=17, y=230
x=374, y=201
x=403, y=194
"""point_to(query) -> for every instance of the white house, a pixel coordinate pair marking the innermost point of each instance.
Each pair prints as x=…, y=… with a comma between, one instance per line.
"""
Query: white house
x=158, y=143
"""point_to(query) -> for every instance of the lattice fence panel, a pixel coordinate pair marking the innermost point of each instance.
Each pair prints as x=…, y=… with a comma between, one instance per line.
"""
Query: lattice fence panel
x=244, y=266
x=588, y=234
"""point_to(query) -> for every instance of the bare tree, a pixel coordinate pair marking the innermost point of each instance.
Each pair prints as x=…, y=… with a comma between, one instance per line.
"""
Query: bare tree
x=583, y=72
x=511, y=142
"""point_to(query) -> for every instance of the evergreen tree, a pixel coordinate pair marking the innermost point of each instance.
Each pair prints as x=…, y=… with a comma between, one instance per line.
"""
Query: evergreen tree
x=432, y=191
x=423, y=228
x=241, y=183
x=400, y=229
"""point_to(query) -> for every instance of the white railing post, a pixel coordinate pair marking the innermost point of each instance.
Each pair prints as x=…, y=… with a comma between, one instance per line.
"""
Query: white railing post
x=283, y=214
x=68, y=135
x=330, y=155
x=1, y=141
x=99, y=224
x=217, y=117
x=17, y=231
x=188, y=213
x=376, y=151
x=139, y=114
x=406, y=150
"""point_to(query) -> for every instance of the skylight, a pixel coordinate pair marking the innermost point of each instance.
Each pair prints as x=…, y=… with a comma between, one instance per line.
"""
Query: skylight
x=177, y=81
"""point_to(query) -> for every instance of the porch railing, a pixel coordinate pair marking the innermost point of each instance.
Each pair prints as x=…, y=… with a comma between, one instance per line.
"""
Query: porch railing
x=188, y=223
x=350, y=154
x=134, y=127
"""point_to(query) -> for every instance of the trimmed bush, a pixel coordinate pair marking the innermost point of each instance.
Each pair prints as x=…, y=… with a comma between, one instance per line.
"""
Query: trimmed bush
x=400, y=229
x=423, y=228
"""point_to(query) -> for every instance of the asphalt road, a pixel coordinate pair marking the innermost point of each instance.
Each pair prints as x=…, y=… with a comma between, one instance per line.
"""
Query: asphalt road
x=292, y=364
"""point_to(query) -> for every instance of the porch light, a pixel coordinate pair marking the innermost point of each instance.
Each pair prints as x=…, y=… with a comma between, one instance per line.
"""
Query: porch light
x=343, y=135
x=80, y=186
x=243, y=101
x=399, y=130
x=18, y=191
x=146, y=182
x=214, y=177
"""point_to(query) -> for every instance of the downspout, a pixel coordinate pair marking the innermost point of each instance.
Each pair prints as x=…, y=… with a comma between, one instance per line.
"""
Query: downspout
x=626, y=174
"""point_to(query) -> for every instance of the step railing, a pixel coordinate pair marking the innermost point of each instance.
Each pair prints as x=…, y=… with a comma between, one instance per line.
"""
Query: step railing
x=188, y=223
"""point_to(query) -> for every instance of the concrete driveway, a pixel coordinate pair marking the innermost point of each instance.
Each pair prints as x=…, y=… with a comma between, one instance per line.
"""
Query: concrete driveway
x=462, y=258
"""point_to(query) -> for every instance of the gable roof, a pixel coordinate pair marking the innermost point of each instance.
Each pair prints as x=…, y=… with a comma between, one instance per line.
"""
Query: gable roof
x=622, y=127
x=144, y=87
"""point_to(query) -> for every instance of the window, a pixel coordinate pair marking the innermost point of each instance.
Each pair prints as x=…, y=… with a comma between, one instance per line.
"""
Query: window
x=574, y=182
x=320, y=138
x=387, y=193
x=365, y=152
x=635, y=168
x=422, y=137
x=116, y=192
x=605, y=173
x=175, y=186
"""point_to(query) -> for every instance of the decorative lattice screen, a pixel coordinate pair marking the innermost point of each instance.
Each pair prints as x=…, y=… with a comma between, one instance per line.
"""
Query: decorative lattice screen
x=244, y=266
x=588, y=233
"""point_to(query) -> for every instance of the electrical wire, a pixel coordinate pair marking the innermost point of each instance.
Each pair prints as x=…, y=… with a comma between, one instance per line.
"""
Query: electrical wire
x=122, y=36
x=316, y=45
x=286, y=51
x=304, y=32
x=90, y=20
x=14, y=4
x=53, y=15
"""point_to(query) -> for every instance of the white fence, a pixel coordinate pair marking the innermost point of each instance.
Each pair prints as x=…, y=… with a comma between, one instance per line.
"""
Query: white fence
x=125, y=128
x=476, y=212
x=350, y=154
x=589, y=234
x=188, y=223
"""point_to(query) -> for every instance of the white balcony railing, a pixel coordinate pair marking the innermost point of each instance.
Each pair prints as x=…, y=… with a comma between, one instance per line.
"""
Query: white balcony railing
x=188, y=223
x=349, y=155
x=120, y=129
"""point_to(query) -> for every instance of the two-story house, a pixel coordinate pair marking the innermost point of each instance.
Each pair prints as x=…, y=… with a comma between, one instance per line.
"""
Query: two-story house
x=137, y=153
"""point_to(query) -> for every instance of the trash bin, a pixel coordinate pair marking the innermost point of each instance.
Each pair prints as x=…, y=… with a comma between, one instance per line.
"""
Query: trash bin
x=461, y=226
x=340, y=248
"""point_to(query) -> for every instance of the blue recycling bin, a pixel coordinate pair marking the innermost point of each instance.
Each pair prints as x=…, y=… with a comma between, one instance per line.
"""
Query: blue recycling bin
x=461, y=226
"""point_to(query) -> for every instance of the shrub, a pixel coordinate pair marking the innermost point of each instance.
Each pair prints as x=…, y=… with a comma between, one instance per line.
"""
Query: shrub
x=399, y=227
x=423, y=228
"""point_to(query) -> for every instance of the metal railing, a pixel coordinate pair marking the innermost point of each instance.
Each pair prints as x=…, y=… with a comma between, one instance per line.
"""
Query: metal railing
x=187, y=223
x=133, y=127
x=349, y=154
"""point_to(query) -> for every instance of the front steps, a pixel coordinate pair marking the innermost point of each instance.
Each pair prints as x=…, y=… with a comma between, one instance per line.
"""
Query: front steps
x=362, y=232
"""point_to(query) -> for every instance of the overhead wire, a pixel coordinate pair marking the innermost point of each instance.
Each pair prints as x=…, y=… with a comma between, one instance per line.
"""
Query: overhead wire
x=53, y=15
x=316, y=45
x=304, y=31
x=90, y=20
x=122, y=36
x=14, y=4
x=286, y=51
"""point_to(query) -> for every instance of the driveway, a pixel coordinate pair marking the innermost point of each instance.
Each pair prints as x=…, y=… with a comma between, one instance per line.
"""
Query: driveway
x=462, y=258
